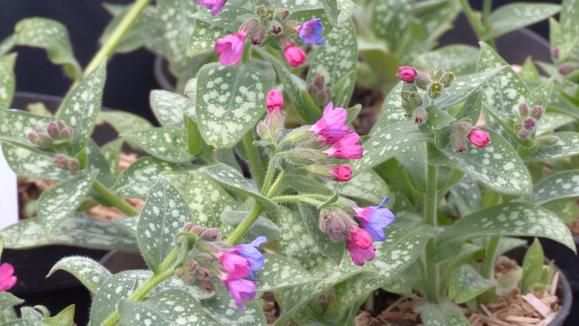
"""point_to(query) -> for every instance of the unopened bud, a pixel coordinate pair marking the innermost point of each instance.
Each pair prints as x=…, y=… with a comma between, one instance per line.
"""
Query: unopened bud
x=60, y=161
x=434, y=90
x=284, y=13
x=548, y=140
x=419, y=116
x=566, y=68
x=258, y=35
x=407, y=74
x=72, y=165
x=458, y=142
x=196, y=229
x=33, y=137
x=555, y=53
x=529, y=123
x=447, y=79
x=524, y=109
x=191, y=266
x=523, y=134
x=335, y=224
x=319, y=81
x=276, y=29
x=210, y=234
x=341, y=172
x=53, y=130
x=207, y=286
x=410, y=100
x=537, y=112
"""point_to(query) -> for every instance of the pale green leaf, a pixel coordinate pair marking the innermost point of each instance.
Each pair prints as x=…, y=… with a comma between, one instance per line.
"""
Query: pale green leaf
x=466, y=197
x=229, y=18
x=311, y=220
x=170, y=108
x=560, y=185
x=124, y=122
x=368, y=186
x=7, y=80
x=203, y=37
x=166, y=143
x=466, y=284
x=552, y=121
x=459, y=58
x=441, y=314
x=515, y=16
x=16, y=124
x=568, y=145
x=89, y=272
x=176, y=20
x=389, y=17
x=464, y=86
x=29, y=162
x=280, y=272
x=64, y=318
x=569, y=30
x=295, y=242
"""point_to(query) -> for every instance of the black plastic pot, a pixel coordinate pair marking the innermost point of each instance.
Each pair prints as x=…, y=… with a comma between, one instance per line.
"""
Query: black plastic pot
x=567, y=261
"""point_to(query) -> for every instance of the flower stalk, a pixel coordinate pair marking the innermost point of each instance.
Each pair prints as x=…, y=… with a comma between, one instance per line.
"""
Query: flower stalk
x=242, y=228
x=432, y=269
x=114, y=200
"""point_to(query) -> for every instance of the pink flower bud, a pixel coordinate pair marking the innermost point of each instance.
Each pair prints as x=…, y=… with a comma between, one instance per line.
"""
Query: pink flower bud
x=537, y=112
x=230, y=48
x=274, y=100
x=53, y=130
x=360, y=246
x=342, y=172
x=565, y=68
x=479, y=138
x=7, y=277
x=529, y=123
x=406, y=74
x=294, y=55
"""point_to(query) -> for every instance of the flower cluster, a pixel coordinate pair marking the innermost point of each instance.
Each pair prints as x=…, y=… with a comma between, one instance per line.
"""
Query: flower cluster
x=54, y=134
x=7, y=277
x=370, y=225
x=463, y=131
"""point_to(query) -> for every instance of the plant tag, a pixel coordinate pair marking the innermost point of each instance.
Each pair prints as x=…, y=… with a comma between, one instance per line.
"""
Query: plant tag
x=8, y=195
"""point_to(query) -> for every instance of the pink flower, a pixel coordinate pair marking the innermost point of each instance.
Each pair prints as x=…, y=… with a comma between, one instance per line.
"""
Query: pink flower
x=342, y=172
x=348, y=147
x=234, y=265
x=7, y=278
x=294, y=55
x=274, y=100
x=230, y=48
x=406, y=74
x=479, y=138
x=214, y=5
x=360, y=246
x=240, y=290
x=332, y=125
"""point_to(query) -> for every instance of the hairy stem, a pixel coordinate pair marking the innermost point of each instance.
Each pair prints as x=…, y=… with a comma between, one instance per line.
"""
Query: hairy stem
x=114, y=200
x=242, y=228
x=255, y=163
x=432, y=269
x=269, y=175
x=300, y=198
x=276, y=184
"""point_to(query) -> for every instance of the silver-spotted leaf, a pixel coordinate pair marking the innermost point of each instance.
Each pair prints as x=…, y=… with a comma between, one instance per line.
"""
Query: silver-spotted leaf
x=166, y=143
x=7, y=80
x=29, y=162
x=389, y=17
x=170, y=108
x=222, y=309
x=368, y=186
x=515, y=16
x=88, y=271
x=442, y=314
x=176, y=20
x=568, y=145
x=280, y=272
x=466, y=284
x=560, y=185
x=16, y=124
x=459, y=58
x=203, y=37
x=123, y=122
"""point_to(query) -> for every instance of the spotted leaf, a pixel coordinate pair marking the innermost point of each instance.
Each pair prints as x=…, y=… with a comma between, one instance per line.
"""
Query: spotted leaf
x=166, y=143
x=280, y=272
x=51, y=36
x=59, y=203
x=560, y=185
x=29, y=162
x=203, y=37
x=368, y=186
x=137, y=179
x=553, y=120
x=464, y=86
x=569, y=30
x=7, y=80
x=295, y=242
x=81, y=106
x=222, y=309
x=89, y=272
x=16, y=124
x=568, y=145
x=466, y=284
x=442, y=314
x=234, y=180
x=123, y=122
x=231, y=99
x=513, y=219
x=389, y=17
x=176, y=20
x=170, y=108
x=459, y=58
x=515, y=16
x=164, y=214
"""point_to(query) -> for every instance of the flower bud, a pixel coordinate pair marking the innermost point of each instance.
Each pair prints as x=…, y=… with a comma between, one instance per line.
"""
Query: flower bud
x=523, y=134
x=210, y=234
x=555, y=53
x=73, y=165
x=33, y=137
x=407, y=74
x=66, y=133
x=419, y=116
x=566, y=68
x=447, y=79
x=524, y=109
x=60, y=161
x=537, y=112
x=548, y=140
x=294, y=55
x=479, y=138
x=458, y=142
x=276, y=28
x=529, y=123
x=335, y=223
x=53, y=130
x=274, y=100
x=410, y=100
x=434, y=90
x=341, y=172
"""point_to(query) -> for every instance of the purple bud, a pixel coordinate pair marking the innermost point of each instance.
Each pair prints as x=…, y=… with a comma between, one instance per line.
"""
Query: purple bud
x=60, y=161
x=523, y=134
x=66, y=132
x=537, y=112
x=524, y=109
x=458, y=141
x=207, y=286
x=335, y=224
x=276, y=29
x=529, y=123
x=565, y=68
x=73, y=166
x=419, y=116
x=53, y=130
x=210, y=234
x=33, y=137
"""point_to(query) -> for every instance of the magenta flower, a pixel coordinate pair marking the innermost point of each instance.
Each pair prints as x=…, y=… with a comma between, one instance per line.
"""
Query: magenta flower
x=360, y=246
x=240, y=290
x=348, y=147
x=252, y=254
x=332, y=125
x=479, y=138
x=375, y=218
x=311, y=32
x=235, y=266
x=7, y=277
x=214, y=5
x=407, y=74
x=342, y=172
x=274, y=100
x=294, y=55
x=230, y=48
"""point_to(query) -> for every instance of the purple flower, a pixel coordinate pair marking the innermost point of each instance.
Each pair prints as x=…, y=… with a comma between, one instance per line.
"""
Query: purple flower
x=375, y=218
x=311, y=32
x=214, y=5
x=250, y=252
x=240, y=290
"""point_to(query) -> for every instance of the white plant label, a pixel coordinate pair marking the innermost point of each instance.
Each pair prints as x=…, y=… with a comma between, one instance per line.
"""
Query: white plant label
x=8, y=195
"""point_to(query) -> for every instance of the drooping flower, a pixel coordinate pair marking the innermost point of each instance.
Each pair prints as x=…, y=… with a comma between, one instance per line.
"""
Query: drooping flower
x=375, y=218
x=234, y=265
x=336, y=223
x=332, y=126
x=7, y=277
x=311, y=32
x=230, y=48
x=241, y=290
x=342, y=172
x=479, y=137
x=407, y=74
x=294, y=55
x=274, y=100
x=347, y=147
x=250, y=252
x=360, y=246
x=214, y=5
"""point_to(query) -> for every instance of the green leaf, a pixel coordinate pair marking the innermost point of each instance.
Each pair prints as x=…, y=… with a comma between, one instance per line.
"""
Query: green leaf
x=7, y=80
x=170, y=108
x=386, y=141
x=7, y=302
x=164, y=214
x=51, y=36
x=142, y=175
x=28, y=162
x=434, y=23
x=124, y=122
x=81, y=106
x=79, y=231
x=442, y=314
x=567, y=210
x=16, y=124
x=7, y=44
x=176, y=20
x=231, y=99
x=295, y=242
x=515, y=16
x=552, y=121
x=64, y=318
x=203, y=38
x=560, y=185
x=280, y=273
x=568, y=145
x=466, y=284
x=230, y=17
x=497, y=165
x=88, y=271
x=222, y=308
x=532, y=266
x=464, y=86
x=368, y=186
x=166, y=143
x=59, y=203
x=466, y=197
x=459, y=58
x=391, y=17
x=311, y=220
x=234, y=180
x=505, y=90
x=111, y=152
x=569, y=30
x=335, y=61
x=513, y=219
x=471, y=108
x=172, y=307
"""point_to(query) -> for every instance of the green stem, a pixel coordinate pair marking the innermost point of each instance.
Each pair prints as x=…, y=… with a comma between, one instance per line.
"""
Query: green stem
x=473, y=19
x=255, y=163
x=194, y=141
x=487, y=7
x=114, y=200
x=491, y=252
x=298, y=198
x=240, y=230
x=276, y=184
x=111, y=43
x=430, y=215
x=269, y=174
